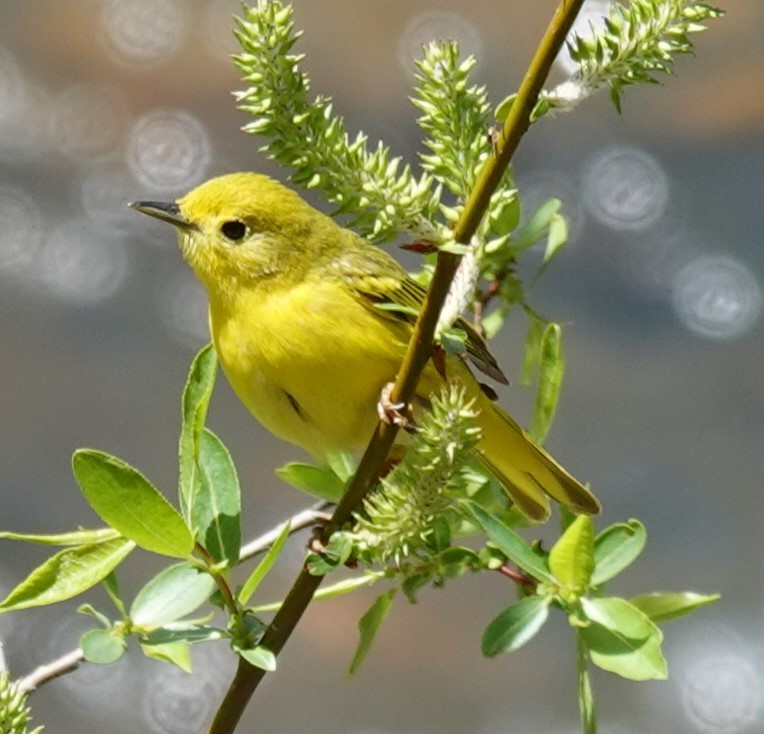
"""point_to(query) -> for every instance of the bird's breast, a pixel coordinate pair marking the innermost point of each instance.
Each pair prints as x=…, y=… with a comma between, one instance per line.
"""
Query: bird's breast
x=308, y=362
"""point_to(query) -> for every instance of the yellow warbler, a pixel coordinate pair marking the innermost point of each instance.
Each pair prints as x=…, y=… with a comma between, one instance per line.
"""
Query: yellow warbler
x=293, y=310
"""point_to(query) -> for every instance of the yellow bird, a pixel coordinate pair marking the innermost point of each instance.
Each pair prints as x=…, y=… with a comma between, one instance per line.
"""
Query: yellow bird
x=293, y=310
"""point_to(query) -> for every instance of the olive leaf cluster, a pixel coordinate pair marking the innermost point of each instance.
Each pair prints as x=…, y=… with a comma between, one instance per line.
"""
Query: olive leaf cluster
x=202, y=536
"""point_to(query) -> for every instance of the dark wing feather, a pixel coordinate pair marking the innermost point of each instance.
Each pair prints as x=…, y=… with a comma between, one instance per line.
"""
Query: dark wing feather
x=379, y=280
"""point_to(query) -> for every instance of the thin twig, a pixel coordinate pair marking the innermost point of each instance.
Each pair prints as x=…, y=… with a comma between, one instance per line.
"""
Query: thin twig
x=417, y=355
x=70, y=661
x=303, y=519
x=519, y=578
x=45, y=673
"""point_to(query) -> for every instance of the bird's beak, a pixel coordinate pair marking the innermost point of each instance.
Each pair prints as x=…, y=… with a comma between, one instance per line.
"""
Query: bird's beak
x=167, y=211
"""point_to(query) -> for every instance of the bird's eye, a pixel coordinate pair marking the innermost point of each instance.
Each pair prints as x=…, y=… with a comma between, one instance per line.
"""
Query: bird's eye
x=234, y=230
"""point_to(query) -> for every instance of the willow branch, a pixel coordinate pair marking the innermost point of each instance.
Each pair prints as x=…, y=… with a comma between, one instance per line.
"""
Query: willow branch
x=417, y=355
x=45, y=673
x=303, y=519
x=71, y=660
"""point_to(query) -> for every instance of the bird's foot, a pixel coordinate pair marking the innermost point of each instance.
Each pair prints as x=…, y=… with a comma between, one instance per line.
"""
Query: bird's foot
x=389, y=412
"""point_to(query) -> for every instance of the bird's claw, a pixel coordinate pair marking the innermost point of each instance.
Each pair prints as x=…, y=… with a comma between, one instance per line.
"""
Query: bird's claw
x=390, y=412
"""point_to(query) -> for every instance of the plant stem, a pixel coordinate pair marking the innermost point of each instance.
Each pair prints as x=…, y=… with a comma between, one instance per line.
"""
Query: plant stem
x=70, y=661
x=229, y=599
x=585, y=695
x=417, y=355
x=303, y=519
x=44, y=673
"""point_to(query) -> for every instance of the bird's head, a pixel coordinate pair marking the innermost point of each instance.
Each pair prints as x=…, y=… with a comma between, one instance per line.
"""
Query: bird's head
x=245, y=227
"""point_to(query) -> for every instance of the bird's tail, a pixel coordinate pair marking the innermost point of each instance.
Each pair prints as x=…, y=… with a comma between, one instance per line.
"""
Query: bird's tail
x=526, y=471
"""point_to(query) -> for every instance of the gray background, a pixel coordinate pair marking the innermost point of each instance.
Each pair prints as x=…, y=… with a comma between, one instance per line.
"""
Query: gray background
x=104, y=102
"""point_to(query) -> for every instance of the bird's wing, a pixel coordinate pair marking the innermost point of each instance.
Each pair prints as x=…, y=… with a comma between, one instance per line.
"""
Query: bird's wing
x=382, y=284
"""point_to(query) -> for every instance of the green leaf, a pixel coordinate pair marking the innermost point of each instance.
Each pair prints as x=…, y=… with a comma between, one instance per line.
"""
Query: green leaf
x=539, y=109
x=102, y=646
x=347, y=585
x=455, y=248
x=413, y=583
x=535, y=227
x=503, y=108
x=532, y=352
x=454, y=341
x=664, y=606
x=556, y=237
x=173, y=593
x=342, y=464
x=260, y=657
x=551, y=370
x=516, y=625
x=369, y=625
x=196, y=398
x=216, y=509
x=68, y=573
x=177, y=653
x=571, y=558
x=616, y=548
x=111, y=586
x=504, y=216
x=397, y=308
x=126, y=500
x=91, y=611
x=188, y=632
x=314, y=480
x=334, y=555
x=456, y=560
x=76, y=537
x=262, y=569
x=622, y=639
x=511, y=544
x=327, y=592
x=494, y=322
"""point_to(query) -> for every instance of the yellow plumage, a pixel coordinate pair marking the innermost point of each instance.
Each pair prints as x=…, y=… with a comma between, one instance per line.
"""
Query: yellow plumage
x=294, y=318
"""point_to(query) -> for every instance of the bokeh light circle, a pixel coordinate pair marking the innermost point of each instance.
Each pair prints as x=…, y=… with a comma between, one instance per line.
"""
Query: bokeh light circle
x=101, y=688
x=717, y=297
x=21, y=233
x=24, y=131
x=81, y=266
x=104, y=191
x=722, y=694
x=182, y=306
x=218, y=22
x=177, y=702
x=88, y=120
x=144, y=32
x=168, y=150
x=650, y=262
x=625, y=188
x=11, y=85
x=436, y=25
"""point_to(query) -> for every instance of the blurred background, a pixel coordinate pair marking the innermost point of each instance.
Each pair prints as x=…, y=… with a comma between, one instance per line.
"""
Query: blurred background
x=104, y=102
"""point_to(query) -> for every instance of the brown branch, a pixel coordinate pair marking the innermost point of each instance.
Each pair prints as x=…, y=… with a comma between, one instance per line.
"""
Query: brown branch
x=417, y=355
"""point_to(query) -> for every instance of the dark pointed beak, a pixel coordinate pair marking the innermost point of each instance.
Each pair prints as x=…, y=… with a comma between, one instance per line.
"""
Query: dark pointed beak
x=167, y=211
